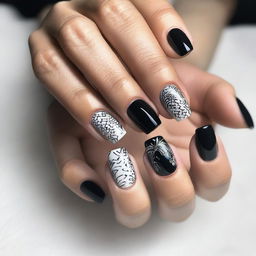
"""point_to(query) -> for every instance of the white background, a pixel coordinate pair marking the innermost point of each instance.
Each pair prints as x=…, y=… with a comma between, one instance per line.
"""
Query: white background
x=39, y=216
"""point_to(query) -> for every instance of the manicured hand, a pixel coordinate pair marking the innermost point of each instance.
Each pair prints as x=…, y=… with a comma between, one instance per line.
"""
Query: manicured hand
x=106, y=63
x=175, y=162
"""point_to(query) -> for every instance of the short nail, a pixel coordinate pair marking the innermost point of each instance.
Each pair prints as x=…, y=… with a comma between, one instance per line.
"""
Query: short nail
x=93, y=191
x=143, y=116
x=206, y=143
x=247, y=117
x=180, y=43
x=175, y=102
x=160, y=156
x=108, y=126
x=121, y=168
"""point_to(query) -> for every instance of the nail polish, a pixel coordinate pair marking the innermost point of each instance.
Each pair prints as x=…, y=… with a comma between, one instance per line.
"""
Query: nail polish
x=143, y=116
x=93, y=191
x=160, y=156
x=121, y=168
x=175, y=102
x=247, y=117
x=206, y=143
x=180, y=43
x=108, y=126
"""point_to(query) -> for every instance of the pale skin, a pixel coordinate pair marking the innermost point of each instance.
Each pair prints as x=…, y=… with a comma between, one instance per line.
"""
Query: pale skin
x=61, y=47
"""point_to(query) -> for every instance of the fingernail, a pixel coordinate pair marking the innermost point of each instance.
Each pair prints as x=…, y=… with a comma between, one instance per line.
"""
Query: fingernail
x=247, y=117
x=206, y=143
x=108, y=126
x=93, y=191
x=160, y=156
x=121, y=168
x=175, y=102
x=143, y=116
x=180, y=43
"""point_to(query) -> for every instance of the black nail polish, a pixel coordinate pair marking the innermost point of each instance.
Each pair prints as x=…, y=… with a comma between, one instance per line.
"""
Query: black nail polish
x=245, y=113
x=93, y=191
x=143, y=116
x=206, y=143
x=180, y=43
x=160, y=156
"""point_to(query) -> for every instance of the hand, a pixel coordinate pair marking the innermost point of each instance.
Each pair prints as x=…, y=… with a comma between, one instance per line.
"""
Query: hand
x=194, y=164
x=109, y=58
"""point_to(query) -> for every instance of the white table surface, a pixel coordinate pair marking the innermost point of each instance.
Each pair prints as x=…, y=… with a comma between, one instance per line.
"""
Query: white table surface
x=39, y=216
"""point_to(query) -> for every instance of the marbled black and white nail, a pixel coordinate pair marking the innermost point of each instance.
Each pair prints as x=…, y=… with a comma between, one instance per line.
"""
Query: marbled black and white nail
x=121, y=168
x=108, y=126
x=175, y=102
x=160, y=156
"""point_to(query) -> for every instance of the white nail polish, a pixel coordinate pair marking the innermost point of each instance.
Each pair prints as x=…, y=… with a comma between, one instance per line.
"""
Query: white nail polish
x=108, y=126
x=175, y=102
x=121, y=168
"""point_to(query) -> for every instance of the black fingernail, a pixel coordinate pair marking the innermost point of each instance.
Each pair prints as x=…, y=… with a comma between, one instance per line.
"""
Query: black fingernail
x=143, y=116
x=180, y=43
x=93, y=191
x=160, y=156
x=245, y=113
x=206, y=143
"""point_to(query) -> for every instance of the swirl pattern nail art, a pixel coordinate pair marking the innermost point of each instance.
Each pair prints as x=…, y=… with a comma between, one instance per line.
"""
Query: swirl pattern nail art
x=121, y=168
x=160, y=156
x=108, y=126
x=175, y=102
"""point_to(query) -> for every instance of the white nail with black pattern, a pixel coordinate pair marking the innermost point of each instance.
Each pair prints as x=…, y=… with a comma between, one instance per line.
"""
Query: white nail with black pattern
x=175, y=103
x=110, y=128
x=121, y=167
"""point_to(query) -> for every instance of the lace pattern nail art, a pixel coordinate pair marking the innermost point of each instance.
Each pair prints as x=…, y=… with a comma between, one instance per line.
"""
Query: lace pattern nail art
x=175, y=103
x=121, y=168
x=108, y=126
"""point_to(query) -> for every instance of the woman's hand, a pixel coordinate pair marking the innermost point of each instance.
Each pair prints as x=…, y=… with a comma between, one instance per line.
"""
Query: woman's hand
x=106, y=62
x=190, y=164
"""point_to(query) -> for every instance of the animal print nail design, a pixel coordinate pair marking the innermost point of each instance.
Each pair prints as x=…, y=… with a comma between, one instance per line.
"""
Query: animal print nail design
x=160, y=156
x=175, y=103
x=121, y=168
x=108, y=126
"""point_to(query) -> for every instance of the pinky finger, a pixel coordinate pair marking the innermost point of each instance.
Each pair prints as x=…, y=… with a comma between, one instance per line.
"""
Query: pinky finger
x=74, y=172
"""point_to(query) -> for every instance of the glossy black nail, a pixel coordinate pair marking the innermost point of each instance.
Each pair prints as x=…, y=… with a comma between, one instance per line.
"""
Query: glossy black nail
x=93, y=191
x=180, y=43
x=160, y=156
x=206, y=143
x=143, y=116
x=247, y=117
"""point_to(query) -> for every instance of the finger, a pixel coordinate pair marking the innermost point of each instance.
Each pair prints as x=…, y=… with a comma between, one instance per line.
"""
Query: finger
x=171, y=181
x=85, y=46
x=214, y=97
x=119, y=21
x=210, y=168
x=167, y=26
x=130, y=198
x=74, y=172
x=67, y=85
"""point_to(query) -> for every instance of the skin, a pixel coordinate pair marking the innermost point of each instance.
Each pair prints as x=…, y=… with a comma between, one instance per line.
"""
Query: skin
x=80, y=158
x=69, y=62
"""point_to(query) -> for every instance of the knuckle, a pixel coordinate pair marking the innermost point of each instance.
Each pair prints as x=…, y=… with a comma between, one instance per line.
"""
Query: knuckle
x=76, y=32
x=58, y=8
x=79, y=96
x=44, y=62
x=155, y=64
x=163, y=12
x=67, y=171
x=118, y=84
x=32, y=39
x=117, y=12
